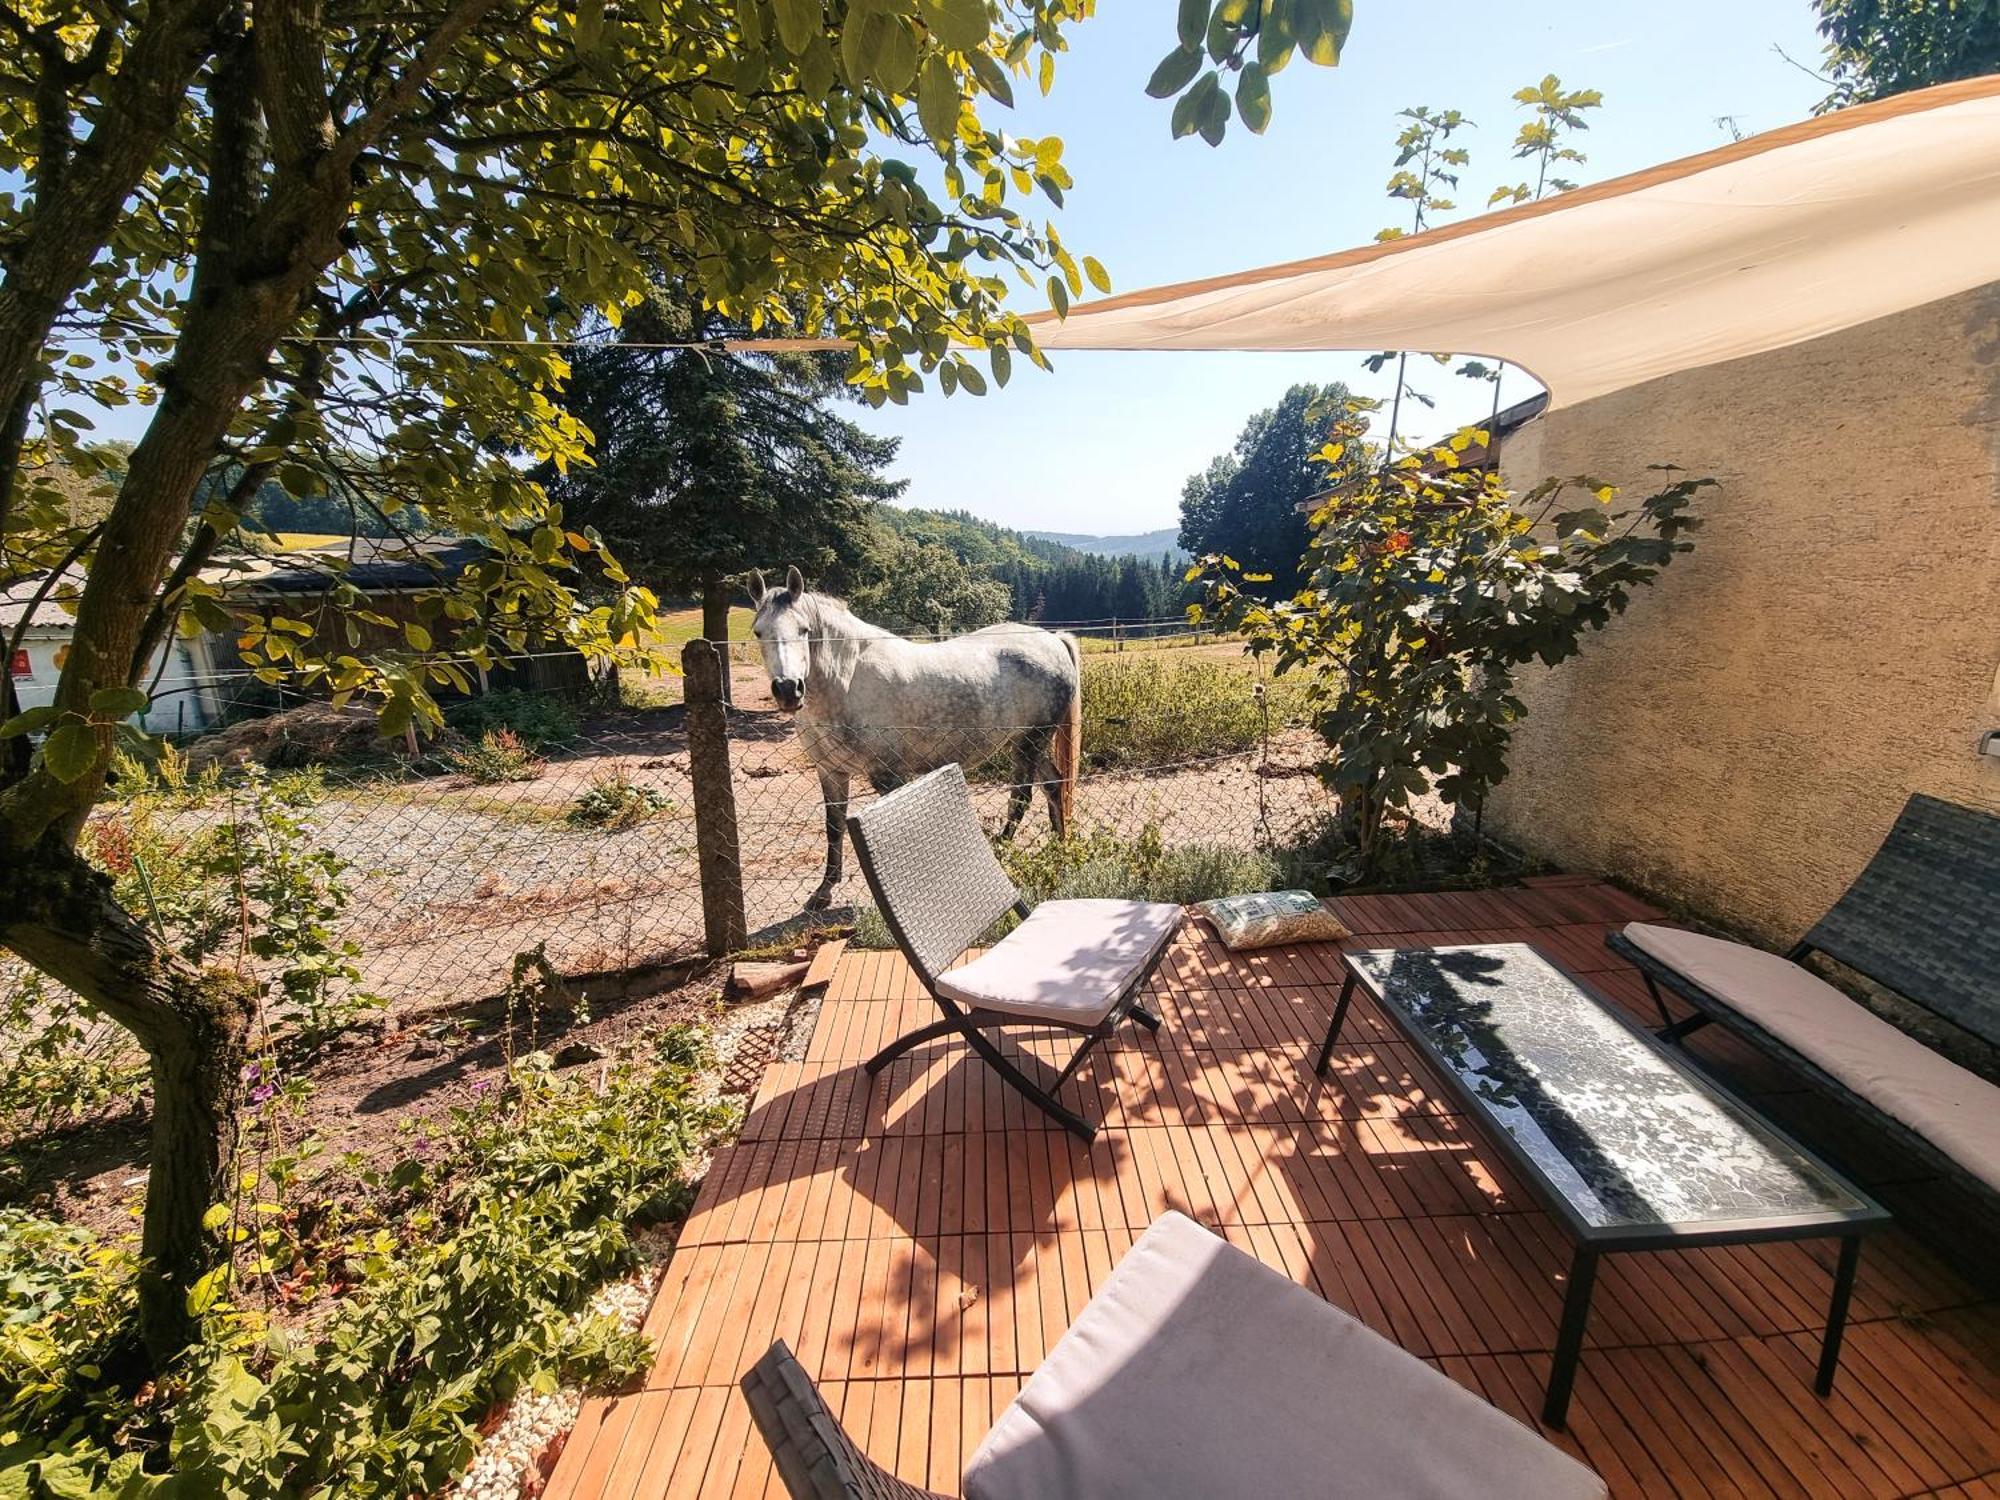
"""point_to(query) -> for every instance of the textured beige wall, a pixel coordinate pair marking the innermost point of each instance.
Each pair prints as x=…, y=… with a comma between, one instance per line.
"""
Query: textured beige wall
x=1741, y=739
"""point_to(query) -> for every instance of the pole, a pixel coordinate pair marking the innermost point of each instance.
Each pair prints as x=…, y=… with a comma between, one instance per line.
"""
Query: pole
x=717, y=849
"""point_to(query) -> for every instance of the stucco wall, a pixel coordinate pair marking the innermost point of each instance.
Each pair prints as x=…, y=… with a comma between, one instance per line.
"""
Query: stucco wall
x=1741, y=739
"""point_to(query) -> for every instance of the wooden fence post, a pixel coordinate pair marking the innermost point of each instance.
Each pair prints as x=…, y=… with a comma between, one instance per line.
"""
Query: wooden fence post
x=721, y=858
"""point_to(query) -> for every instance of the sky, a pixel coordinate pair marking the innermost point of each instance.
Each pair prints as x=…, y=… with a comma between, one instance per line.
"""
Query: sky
x=1105, y=442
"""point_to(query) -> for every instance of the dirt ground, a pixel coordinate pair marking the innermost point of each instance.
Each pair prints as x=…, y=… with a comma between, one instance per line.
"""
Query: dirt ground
x=372, y=1087
x=453, y=878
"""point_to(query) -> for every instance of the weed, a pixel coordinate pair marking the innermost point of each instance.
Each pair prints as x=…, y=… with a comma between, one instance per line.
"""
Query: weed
x=617, y=801
x=500, y=755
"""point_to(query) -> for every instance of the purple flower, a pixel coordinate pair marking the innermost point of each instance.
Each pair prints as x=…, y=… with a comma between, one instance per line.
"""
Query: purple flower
x=481, y=1085
x=262, y=1092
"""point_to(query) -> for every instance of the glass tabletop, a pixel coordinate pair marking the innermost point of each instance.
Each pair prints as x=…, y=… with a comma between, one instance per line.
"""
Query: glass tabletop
x=1628, y=1137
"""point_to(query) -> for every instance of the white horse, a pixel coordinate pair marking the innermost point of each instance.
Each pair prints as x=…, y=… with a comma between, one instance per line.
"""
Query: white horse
x=870, y=703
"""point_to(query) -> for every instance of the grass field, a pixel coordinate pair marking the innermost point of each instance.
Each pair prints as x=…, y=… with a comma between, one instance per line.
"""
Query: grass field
x=684, y=625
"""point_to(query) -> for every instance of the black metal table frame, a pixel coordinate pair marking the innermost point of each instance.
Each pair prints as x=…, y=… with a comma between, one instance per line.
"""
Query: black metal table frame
x=1590, y=1242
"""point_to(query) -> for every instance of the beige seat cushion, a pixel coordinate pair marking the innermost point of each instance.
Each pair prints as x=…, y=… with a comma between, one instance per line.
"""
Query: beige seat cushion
x=1068, y=962
x=1197, y=1372
x=1955, y=1110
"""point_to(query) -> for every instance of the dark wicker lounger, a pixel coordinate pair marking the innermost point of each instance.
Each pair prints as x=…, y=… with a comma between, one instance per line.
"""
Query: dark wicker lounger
x=1075, y=966
x=1922, y=919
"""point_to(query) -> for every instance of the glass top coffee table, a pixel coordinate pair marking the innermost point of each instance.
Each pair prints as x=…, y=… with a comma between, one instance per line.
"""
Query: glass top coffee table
x=1631, y=1145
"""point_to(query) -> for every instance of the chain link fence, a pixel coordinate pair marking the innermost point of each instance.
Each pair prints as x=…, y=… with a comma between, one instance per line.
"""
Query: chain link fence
x=569, y=819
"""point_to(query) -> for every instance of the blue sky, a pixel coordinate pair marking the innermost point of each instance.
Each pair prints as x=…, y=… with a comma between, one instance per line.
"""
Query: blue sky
x=1104, y=443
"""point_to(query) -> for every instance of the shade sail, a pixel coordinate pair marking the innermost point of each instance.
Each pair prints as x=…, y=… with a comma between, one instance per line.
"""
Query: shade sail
x=1767, y=242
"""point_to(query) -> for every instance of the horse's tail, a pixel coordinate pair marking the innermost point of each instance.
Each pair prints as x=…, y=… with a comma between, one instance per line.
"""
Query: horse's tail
x=1066, y=744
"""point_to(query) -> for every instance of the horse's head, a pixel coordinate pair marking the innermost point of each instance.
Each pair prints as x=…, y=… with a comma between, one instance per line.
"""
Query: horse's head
x=783, y=631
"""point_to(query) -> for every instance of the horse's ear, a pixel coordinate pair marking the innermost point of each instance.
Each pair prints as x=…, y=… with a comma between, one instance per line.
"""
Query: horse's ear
x=795, y=580
x=756, y=586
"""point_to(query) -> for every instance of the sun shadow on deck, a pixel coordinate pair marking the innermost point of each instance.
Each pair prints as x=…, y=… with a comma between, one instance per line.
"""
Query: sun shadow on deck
x=922, y=1239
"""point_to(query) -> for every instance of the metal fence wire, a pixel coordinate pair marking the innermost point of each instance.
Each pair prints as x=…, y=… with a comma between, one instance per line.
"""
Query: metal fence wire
x=594, y=851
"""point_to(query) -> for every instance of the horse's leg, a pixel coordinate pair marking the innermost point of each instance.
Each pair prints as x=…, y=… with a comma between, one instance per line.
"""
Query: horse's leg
x=833, y=790
x=1050, y=775
x=1029, y=753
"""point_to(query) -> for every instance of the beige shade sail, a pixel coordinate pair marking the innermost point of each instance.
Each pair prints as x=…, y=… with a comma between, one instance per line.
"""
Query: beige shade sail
x=1767, y=242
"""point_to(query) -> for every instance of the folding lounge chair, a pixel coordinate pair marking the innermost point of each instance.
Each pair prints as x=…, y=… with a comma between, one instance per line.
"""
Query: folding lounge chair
x=1072, y=965
x=1198, y=1372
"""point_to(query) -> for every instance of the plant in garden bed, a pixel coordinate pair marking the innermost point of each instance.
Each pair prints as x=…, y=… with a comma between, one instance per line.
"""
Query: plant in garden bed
x=500, y=756
x=453, y=1283
x=1431, y=587
x=617, y=801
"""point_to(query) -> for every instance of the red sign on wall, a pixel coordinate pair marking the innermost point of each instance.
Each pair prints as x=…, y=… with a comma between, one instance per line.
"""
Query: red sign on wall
x=18, y=667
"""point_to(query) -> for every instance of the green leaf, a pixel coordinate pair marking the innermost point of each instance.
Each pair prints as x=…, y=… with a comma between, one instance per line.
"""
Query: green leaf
x=1001, y=361
x=960, y=25
x=1192, y=22
x=1059, y=296
x=30, y=720
x=1322, y=29
x=799, y=23
x=1174, y=72
x=216, y=1217
x=70, y=751
x=937, y=98
x=201, y=1296
x=991, y=77
x=1099, y=277
x=1253, y=97
x=119, y=702
x=1212, y=113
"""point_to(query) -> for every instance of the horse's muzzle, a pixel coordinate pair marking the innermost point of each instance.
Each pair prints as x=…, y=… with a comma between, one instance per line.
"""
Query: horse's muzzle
x=790, y=693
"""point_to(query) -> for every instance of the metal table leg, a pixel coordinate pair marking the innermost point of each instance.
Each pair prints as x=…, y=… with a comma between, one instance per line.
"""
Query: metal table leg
x=1333, y=1026
x=1836, y=1315
x=1569, y=1340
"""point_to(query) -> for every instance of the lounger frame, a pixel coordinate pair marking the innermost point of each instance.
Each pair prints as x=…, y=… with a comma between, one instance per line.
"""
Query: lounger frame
x=939, y=889
x=1920, y=920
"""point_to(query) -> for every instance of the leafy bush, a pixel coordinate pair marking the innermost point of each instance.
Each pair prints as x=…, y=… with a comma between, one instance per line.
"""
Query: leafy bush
x=500, y=755
x=537, y=718
x=461, y=1289
x=1430, y=589
x=1156, y=709
x=58, y=1060
x=256, y=884
x=617, y=801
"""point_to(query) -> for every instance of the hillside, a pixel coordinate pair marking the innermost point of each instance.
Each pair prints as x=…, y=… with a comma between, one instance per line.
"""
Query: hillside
x=1049, y=579
x=1147, y=544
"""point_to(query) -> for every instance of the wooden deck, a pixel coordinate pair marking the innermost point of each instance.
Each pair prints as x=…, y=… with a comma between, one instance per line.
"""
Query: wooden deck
x=922, y=1242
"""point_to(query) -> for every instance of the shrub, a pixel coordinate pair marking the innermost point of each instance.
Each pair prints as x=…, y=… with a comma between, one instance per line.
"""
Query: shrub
x=1430, y=589
x=500, y=755
x=537, y=718
x=462, y=1289
x=617, y=801
x=1154, y=709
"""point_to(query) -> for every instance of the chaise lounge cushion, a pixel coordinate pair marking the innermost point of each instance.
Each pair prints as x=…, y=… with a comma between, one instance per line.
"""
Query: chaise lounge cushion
x=1069, y=962
x=1195, y=1371
x=1957, y=1111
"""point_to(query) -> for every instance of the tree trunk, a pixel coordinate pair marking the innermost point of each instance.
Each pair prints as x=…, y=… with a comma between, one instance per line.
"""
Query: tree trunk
x=194, y=1025
x=715, y=602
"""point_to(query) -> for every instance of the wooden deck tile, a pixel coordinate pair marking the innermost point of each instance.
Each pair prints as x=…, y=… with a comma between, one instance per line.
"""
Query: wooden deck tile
x=922, y=1239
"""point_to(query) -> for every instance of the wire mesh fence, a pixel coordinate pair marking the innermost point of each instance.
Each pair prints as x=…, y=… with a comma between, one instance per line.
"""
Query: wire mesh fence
x=571, y=822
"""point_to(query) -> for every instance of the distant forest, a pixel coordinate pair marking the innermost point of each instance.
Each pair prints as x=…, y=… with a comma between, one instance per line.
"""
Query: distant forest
x=1049, y=580
x=1045, y=580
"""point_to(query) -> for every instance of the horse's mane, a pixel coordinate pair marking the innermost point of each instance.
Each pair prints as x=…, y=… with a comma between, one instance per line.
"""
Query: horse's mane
x=836, y=632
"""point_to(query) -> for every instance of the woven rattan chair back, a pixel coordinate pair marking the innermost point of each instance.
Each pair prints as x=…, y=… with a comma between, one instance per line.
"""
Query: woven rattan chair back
x=1924, y=917
x=933, y=873
x=815, y=1457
